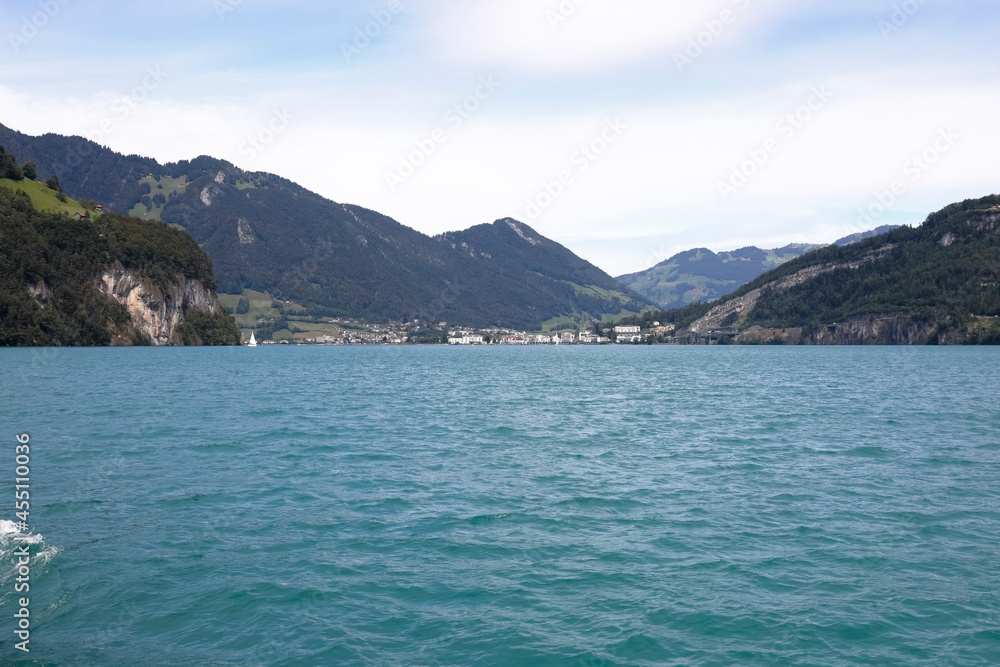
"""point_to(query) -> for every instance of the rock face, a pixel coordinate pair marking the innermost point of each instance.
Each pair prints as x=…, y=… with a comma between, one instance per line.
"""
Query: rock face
x=155, y=313
x=878, y=330
x=40, y=293
x=741, y=306
x=245, y=232
x=890, y=329
x=734, y=312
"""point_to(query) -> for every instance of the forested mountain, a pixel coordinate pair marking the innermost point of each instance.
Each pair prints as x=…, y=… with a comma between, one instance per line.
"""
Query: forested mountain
x=101, y=279
x=700, y=275
x=936, y=283
x=268, y=234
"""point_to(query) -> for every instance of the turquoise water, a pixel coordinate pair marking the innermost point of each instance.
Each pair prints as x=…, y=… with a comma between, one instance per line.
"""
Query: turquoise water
x=507, y=506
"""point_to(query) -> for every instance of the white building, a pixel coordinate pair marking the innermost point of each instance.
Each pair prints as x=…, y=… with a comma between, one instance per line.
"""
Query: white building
x=466, y=340
x=627, y=330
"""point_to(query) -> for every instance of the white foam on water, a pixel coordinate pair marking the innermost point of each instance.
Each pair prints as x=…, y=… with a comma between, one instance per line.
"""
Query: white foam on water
x=11, y=537
x=46, y=554
x=9, y=530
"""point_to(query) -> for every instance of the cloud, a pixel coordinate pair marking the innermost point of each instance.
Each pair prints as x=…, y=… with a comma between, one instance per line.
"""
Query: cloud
x=656, y=186
x=546, y=36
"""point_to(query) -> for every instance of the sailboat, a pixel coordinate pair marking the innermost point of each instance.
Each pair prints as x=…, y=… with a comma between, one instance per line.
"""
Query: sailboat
x=253, y=340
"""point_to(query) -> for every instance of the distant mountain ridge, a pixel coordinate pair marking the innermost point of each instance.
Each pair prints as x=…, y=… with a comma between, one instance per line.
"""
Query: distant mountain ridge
x=861, y=236
x=266, y=233
x=700, y=275
x=938, y=283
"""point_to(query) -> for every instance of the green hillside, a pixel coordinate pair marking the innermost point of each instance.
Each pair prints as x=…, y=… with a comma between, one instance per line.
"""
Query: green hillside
x=267, y=234
x=50, y=268
x=43, y=198
x=700, y=275
x=936, y=283
x=155, y=192
x=946, y=271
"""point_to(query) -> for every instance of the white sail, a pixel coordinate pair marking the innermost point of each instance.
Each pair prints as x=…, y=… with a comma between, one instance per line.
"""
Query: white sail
x=253, y=340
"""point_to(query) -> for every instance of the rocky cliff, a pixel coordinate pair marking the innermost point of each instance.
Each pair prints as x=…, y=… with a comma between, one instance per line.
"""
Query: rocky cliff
x=888, y=329
x=880, y=330
x=156, y=314
x=103, y=279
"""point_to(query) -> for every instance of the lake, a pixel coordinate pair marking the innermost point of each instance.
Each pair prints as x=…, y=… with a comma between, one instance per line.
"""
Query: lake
x=506, y=506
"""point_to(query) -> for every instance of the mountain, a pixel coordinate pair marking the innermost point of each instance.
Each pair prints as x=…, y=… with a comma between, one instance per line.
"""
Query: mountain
x=861, y=236
x=937, y=283
x=268, y=234
x=103, y=279
x=701, y=275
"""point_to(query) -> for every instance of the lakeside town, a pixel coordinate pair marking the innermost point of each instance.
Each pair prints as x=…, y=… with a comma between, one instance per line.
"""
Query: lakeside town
x=397, y=334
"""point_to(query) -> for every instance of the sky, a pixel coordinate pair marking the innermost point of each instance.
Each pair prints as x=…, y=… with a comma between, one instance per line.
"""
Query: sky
x=627, y=130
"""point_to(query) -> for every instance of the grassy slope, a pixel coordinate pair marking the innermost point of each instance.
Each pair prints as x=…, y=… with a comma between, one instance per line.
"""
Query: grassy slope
x=260, y=306
x=42, y=197
x=165, y=186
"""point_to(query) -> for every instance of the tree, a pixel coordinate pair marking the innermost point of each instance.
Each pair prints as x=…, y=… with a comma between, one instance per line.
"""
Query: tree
x=53, y=183
x=9, y=168
x=29, y=170
x=243, y=307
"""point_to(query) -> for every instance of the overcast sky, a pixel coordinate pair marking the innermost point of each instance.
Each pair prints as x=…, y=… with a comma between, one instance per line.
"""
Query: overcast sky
x=627, y=130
